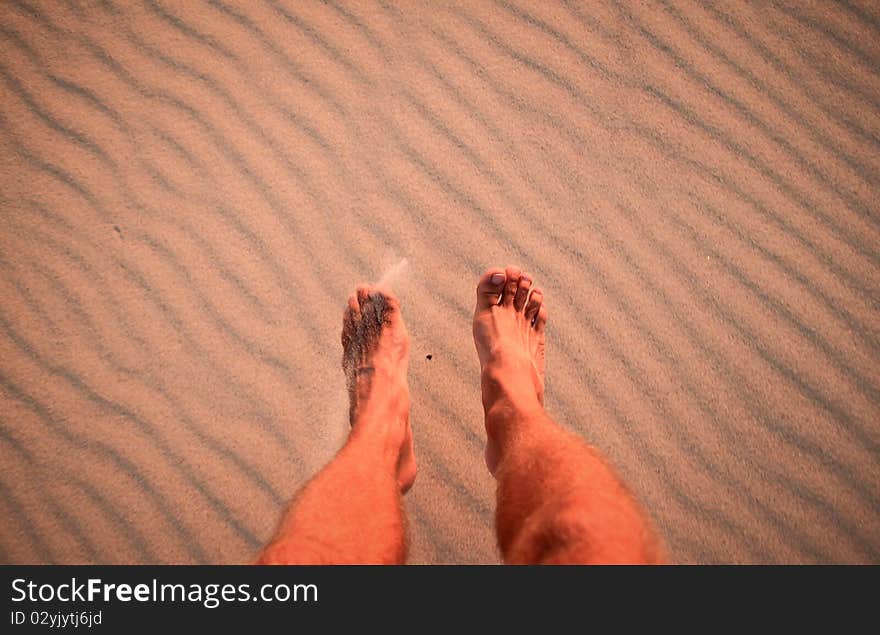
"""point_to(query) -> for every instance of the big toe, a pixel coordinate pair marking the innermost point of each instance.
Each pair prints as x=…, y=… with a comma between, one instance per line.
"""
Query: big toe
x=489, y=288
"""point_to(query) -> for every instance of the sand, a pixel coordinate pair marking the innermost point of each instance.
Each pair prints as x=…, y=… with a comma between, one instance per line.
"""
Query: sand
x=189, y=191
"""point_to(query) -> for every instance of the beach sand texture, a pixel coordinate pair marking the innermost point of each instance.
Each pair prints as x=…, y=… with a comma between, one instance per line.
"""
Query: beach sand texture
x=190, y=190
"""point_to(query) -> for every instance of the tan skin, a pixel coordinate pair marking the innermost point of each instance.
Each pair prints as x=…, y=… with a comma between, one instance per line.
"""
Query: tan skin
x=558, y=501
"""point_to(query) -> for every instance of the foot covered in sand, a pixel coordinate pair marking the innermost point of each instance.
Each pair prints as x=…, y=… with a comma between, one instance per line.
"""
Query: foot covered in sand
x=375, y=354
x=509, y=332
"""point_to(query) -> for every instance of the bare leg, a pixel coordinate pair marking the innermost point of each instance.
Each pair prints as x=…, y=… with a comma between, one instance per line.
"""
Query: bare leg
x=351, y=511
x=558, y=500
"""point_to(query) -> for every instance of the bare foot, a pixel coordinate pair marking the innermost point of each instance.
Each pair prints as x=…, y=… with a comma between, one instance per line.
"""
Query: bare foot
x=509, y=333
x=375, y=353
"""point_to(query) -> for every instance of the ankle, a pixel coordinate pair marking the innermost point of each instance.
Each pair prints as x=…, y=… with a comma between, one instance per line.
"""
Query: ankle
x=380, y=436
x=510, y=402
x=507, y=388
x=377, y=393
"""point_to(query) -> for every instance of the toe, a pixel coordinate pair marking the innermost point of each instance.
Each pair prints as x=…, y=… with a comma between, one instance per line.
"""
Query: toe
x=354, y=308
x=534, y=304
x=389, y=307
x=363, y=295
x=367, y=302
x=522, y=292
x=510, y=287
x=489, y=288
x=368, y=320
x=541, y=320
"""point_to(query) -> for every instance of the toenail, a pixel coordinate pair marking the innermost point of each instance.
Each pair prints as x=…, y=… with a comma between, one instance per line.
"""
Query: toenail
x=497, y=278
x=525, y=280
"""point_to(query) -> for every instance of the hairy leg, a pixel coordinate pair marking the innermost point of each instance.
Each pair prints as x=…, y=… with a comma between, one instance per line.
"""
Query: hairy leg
x=351, y=511
x=558, y=501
